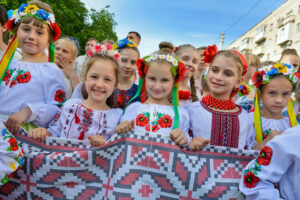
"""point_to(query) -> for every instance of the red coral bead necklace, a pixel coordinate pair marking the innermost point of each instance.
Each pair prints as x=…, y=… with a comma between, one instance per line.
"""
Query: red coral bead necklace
x=218, y=103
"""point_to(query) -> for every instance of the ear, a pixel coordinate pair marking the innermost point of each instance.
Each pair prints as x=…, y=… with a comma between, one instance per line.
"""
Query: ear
x=239, y=82
x=4, y=28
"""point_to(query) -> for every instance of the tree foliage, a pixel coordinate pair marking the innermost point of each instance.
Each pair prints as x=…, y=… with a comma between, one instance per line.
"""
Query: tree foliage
x=75, y=20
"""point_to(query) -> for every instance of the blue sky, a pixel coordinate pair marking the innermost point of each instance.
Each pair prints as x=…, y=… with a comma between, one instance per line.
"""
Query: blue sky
x=196, y=22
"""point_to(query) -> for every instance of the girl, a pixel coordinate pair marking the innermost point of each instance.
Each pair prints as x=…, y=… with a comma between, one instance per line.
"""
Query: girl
x=217, y=119
x=126, y=88
x=274, y=85
x=161, y=72
x=201, y=66
x=91, y=118
x=277, y=162
x=187, y=90
x=32, y=90
x=65, y=54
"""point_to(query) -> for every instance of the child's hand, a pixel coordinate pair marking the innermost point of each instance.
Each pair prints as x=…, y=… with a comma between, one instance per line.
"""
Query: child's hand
x=39, y=134
x=178, y=137
x=273, y=134
x=96, y=140
x=125, y=127
x=198, y=143
x=15, y=120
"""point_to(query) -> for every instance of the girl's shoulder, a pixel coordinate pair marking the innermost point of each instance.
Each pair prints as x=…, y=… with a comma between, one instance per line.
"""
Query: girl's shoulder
x=45, y=66
x=71, y=102
x=134, y=105
x=115, y=111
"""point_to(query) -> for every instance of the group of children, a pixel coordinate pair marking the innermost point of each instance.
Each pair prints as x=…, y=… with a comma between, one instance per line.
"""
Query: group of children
x=178, y=95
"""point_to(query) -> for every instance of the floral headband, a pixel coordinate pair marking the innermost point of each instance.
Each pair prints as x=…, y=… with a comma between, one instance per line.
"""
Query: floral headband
x=123, y=43
x=105, y=50
x=178, y=69
x=265, y=74
x=32, y=10
x=211, y=51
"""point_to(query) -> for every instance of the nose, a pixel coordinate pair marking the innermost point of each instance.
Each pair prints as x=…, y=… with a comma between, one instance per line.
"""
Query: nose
x=31, y=35
x=100, y=83
x=278, y=99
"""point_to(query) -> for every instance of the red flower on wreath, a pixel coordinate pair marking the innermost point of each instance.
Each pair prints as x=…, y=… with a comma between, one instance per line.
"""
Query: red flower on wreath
x=56, y=31
x=154, y=128
x=181, y=72
x=297, y=74
x=265, y=155
x=142, y=120
x=10, y=24
x=250, y=180
x=142, y=67
x=6, y=76
x=257, y=78
x=165, y=121
x=13, y=144
x=60, y=96
x=24, y=78
x=209, y=53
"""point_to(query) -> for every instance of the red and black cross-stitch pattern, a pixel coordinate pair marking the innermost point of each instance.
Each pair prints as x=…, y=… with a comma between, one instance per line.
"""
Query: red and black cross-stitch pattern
x=132, y=166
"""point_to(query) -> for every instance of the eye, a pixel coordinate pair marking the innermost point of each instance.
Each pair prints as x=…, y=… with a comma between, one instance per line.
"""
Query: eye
x=57, y=48
x=133, y=62
x=25, y=28
x=124, y=60
x=272, y=93
x=107, y=79
x=151, y=78
x=285, y=94
x=65, y=51
x=164, y=80
x=228, y=73
x=93, y=76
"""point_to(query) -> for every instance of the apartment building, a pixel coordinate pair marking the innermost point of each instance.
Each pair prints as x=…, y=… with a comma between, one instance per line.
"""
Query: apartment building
x=279, y=30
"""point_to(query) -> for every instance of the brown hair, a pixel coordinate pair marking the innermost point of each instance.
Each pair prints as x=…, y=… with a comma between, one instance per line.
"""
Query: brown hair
x=110, y=100
x=192, y=79
x=252, y=60
x=92, y=39
x=74, y=50
x=266, y=63
x=261, y=87
x=288, y=52
x=202, y=48
x=36, y=22
x=107, y=41
x=203, y=83
x=127, y=47
x=3, y=16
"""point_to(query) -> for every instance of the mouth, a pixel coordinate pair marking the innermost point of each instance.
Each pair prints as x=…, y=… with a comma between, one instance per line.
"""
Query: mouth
x=217, y=84
x=30, y=44
x=98, y=91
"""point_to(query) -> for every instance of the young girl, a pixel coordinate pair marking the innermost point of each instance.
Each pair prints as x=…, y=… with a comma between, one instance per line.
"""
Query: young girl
x=217, y=119
x=277, y=162
x=187, y=87
x=274, y=84
x=161, y=72
x=32, y=90
x=91, y=118
x=65, y=54
x=291, y=57
x=126, y=88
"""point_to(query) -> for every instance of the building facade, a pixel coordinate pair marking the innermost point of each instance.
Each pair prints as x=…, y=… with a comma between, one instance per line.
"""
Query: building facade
x=278, y=31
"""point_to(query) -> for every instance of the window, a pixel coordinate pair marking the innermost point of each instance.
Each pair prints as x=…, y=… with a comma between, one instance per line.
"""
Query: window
x=245, y=41
x=260, y=29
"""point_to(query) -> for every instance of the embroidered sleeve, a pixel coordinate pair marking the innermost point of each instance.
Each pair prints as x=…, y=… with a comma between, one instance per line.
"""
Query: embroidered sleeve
x=267, y=169
x=11, y=156
x=54, y=88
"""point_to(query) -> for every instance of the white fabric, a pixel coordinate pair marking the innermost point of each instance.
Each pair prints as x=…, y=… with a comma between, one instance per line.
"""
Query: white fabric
x=38, y=94
x=134, y=109
x=102, y=122
x=201, y=124
x=283, y=168
x=79, y=65
x=77, y=93
x=269, y=125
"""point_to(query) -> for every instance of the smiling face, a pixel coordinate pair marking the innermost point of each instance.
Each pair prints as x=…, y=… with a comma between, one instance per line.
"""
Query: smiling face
x=100, y=81
x=159, y=82
x=275, y=97
x=127, y=62
x=223, y=77
x=190, y=59
x=33, y=40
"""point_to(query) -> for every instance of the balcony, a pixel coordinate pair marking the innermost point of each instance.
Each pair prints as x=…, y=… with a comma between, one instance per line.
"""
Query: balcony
x=284, y=34
x=259, y=51
x=244, y=44
x=261, y=36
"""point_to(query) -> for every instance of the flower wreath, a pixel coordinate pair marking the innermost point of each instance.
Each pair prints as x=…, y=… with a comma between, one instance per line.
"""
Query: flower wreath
x=178, y=70
x=104, y=50
x=123, y=43
x=32, y=10
x=263, y=76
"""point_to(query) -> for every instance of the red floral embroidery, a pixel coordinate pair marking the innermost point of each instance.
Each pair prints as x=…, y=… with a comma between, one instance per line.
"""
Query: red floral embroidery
x=6, y=76
x=181, y=72
x=13, y=83
x=250, y=180
x=24, y=78
x=14, y=144
x=165, y=122
x=60, y=96
x=142, y=120
x=265, y=156
x=257, y=78
x=154, y=128
x=209, y=53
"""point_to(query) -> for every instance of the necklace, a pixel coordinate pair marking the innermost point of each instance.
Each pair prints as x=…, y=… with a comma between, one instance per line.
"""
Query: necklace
x=184, y=95
x=218, y=103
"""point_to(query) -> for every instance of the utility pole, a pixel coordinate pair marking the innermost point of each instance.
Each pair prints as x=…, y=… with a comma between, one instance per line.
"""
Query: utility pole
x=222, y=41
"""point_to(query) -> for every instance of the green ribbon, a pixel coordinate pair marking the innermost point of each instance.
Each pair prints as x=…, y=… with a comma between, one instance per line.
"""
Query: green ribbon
x=141, y=82
x=52, y=52
x=174, y=101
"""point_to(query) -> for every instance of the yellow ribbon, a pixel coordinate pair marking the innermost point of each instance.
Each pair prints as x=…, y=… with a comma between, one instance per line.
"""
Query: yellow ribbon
x=291, y=113
x=257, y=120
